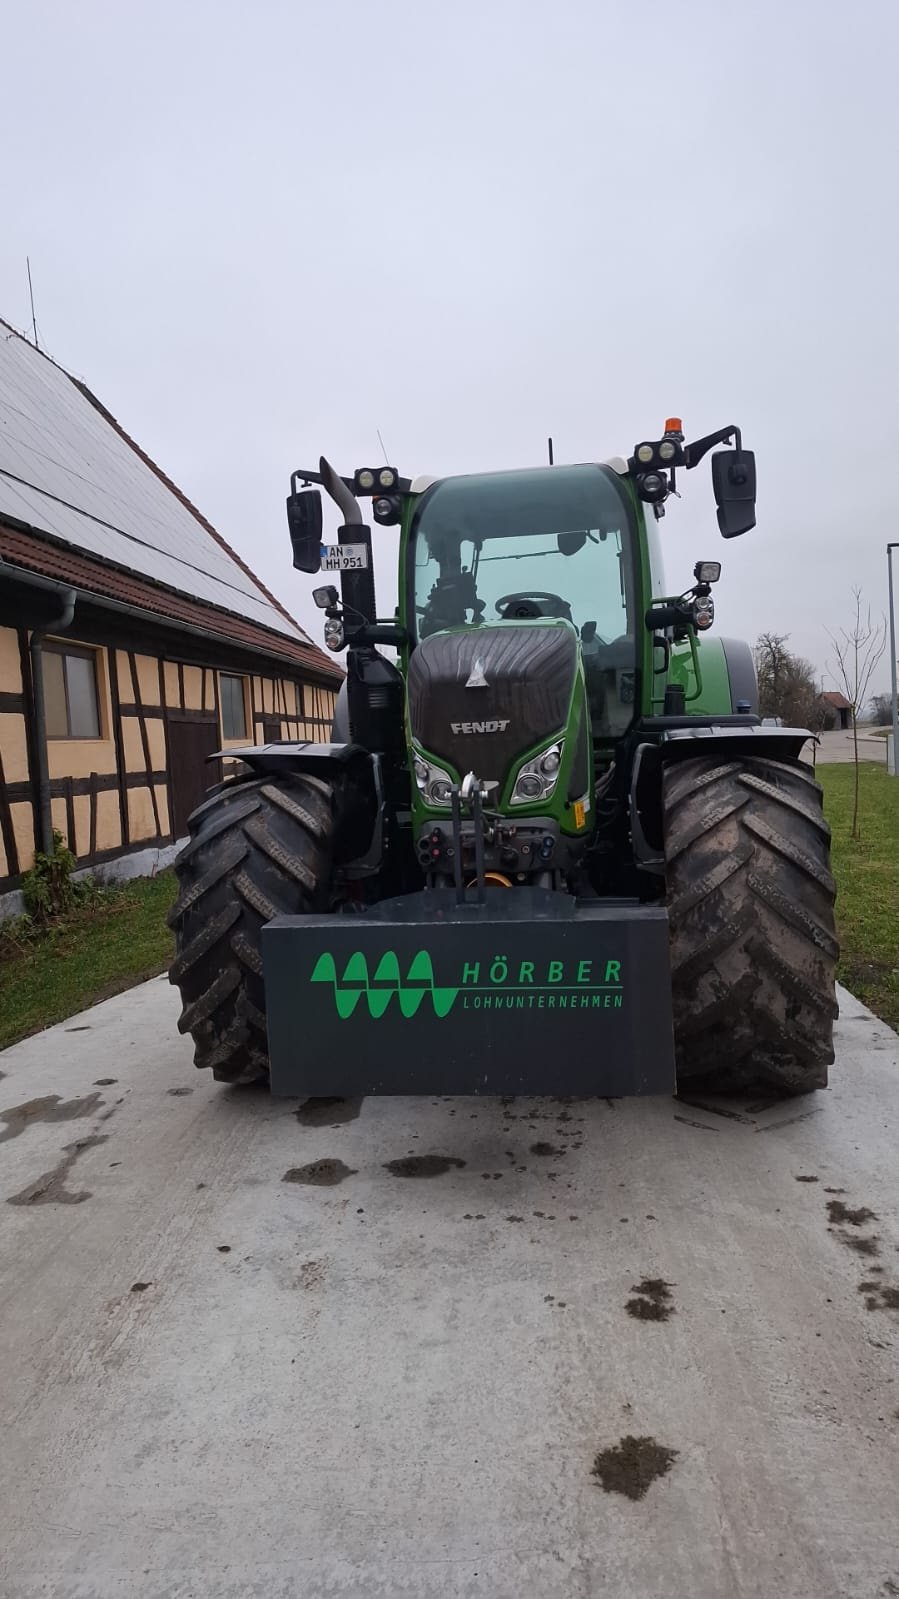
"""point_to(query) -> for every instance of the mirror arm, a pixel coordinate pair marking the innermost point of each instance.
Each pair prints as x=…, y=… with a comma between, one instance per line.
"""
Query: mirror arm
x=693, y=453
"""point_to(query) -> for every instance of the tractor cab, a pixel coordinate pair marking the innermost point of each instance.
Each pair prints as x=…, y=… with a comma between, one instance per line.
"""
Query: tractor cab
x=494, y=551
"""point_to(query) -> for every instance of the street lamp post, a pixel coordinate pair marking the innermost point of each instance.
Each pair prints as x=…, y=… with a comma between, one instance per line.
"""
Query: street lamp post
x=895, y=701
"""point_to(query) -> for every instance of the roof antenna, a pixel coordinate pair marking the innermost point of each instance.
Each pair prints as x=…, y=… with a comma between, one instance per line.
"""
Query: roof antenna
x=381, y=442
x=550, y=444
x=31, y=297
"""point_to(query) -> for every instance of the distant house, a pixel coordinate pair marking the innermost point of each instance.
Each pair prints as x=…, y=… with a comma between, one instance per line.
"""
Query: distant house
x=836, y=710
x=134, y=642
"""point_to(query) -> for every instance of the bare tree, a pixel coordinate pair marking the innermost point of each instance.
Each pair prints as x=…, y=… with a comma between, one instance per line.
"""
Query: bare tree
x=858, y=649
x=787, y=684
x=880, y=707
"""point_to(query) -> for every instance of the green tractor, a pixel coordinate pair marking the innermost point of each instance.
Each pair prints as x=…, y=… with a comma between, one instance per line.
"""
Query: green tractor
x=551, y=847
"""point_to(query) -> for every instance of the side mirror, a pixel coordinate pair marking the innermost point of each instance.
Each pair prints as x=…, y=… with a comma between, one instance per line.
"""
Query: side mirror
x=304, y=521
x=733, y=480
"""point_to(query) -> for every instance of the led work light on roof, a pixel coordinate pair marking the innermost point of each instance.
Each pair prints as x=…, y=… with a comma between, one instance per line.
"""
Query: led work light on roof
x=645, y=454
x=652, y=487
x=387, y=477
x=388, y=509
x=667, y=450
x=364, y=480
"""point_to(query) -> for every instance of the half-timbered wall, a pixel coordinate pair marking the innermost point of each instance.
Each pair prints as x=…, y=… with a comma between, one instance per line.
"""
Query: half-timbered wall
x=132, y=787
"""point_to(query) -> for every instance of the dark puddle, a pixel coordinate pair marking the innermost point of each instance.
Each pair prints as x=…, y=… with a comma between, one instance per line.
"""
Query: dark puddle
x=632, y=1466
x=653, y=1300
x=422, y=1165
x=49, y=1109
x=328, y=1112
x=50, y=1189
x=319, y=1173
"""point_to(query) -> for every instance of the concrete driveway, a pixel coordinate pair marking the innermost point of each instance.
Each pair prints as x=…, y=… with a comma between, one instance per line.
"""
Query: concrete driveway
x=244, y=1355
x=837, y=747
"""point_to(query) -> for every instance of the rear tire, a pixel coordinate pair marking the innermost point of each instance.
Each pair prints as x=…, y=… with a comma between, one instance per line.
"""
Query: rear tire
x=750, y=904
x=258, y=848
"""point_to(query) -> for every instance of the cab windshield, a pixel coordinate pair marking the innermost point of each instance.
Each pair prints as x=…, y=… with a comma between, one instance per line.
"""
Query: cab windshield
x=516, y=546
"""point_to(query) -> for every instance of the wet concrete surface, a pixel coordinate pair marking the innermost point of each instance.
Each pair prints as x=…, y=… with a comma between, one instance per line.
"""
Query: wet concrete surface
x=220, y=1383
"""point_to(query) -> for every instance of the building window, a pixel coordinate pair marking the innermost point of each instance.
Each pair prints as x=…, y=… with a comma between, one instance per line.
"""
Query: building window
x=233, y=698
x=71, y=698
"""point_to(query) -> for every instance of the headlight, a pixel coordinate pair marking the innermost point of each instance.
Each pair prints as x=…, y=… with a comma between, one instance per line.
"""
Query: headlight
x=537, y=778
x=434, y=784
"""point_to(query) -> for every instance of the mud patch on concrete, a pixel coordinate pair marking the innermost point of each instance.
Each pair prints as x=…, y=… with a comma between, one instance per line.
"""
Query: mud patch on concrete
x=802, y=1179
x=843, y=1215
x=312, y=1274
x=105, y=1082
x=319, y=1173
x=879, y=1296
x=49, y=1109
x=632, y=1466
x=652, y=1300
x=834, y=1190
x=332, y=1112
x=140, y=1288
x=179, y=1093
x=422, y=1165
x=868, y=1247
x=50, y=1188
x=546, y=1149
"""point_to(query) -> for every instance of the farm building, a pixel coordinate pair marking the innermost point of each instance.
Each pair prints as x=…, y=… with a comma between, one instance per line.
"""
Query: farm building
x=134, y=642
x=835, y=710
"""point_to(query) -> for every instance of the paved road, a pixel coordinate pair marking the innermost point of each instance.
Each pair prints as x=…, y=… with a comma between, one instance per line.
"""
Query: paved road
x=219, y=1384
x=838, y=747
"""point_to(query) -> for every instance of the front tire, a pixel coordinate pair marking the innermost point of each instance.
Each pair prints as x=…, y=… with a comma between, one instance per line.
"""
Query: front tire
x=750, y=904
x=258, y=848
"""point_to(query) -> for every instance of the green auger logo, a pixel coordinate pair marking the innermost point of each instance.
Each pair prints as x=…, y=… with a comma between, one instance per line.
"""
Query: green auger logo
x=379, y=989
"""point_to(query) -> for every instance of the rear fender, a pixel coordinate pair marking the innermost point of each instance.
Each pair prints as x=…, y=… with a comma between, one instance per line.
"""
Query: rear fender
x=677, y=743
x=355, y=776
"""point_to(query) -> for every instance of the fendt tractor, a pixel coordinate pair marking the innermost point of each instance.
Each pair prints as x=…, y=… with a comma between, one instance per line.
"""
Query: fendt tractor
x=551, y=846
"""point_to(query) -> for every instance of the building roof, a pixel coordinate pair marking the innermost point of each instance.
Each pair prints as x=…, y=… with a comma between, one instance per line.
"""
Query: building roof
x=72, y=476
x=836, y=699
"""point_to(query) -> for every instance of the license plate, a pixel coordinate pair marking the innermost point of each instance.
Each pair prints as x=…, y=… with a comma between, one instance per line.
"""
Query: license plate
x=344, y=557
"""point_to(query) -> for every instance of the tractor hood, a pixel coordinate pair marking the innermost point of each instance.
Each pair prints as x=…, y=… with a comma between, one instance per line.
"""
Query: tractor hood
x=481, y=697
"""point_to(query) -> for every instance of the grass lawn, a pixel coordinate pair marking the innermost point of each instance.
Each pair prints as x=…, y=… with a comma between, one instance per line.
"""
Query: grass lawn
x=867, y=874
x=89, y=954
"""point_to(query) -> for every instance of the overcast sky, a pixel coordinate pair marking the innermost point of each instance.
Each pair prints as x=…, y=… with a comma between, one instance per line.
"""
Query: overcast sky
x=263, y=232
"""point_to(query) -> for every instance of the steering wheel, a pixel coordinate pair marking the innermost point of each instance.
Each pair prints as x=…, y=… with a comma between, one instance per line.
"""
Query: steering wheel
x=528, y=604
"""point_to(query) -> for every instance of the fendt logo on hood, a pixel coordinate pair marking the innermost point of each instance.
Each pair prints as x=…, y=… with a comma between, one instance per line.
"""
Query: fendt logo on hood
x=480, y=727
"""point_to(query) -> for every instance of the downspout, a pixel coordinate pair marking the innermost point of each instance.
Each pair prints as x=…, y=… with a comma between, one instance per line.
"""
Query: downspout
x=56, y=624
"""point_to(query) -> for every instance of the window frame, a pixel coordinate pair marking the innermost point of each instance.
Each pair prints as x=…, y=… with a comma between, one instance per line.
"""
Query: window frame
x=82, y=652
x=235, y=677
